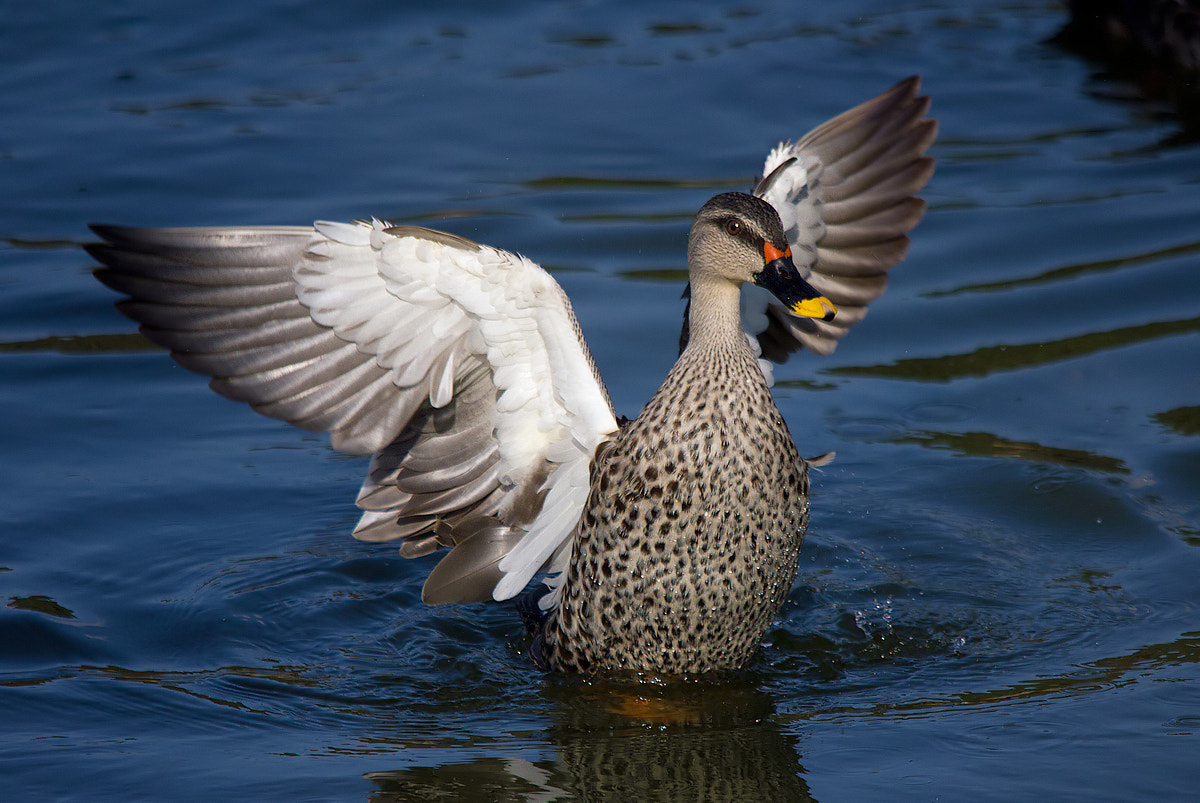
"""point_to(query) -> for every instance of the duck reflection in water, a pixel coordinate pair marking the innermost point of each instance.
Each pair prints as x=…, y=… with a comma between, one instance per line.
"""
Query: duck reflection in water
x=712, y=740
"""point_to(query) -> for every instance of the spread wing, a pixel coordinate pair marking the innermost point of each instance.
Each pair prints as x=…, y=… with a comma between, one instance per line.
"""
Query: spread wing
x=844, y=192
x=459, y=367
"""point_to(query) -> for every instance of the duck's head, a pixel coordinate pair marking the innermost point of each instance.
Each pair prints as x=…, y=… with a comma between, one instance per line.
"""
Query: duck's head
x=738, y=238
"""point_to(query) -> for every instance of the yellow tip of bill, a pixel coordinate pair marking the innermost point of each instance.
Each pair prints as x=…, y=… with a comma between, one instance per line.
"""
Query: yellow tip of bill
x=820, y=307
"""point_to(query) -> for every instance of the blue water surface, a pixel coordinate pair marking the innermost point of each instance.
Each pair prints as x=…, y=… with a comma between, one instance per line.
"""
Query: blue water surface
x=998, y=597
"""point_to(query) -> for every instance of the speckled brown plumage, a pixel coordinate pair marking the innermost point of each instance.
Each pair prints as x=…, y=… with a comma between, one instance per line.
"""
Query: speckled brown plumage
x=691, y=534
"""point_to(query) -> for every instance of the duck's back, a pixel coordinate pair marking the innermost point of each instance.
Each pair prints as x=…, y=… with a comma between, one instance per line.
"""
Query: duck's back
x=689, y=540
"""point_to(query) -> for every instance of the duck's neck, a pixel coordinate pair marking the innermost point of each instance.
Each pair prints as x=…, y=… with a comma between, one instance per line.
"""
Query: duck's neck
x=714, y=319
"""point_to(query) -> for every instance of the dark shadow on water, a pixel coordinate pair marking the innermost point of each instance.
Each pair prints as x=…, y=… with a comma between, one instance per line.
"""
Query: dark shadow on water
x=1069, y=272
x=41, y=604
x=616, y=740
x=1183, y=420
x=985, y=444
x=1146, y=52
x=1086, y=678
x=82, y=344
x=994, y=359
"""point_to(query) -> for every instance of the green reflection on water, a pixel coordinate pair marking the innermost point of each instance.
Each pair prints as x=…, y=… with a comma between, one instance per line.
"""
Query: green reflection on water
x=994, y=359
x=1184, y=420
x=985, y=444
x=1073, y=271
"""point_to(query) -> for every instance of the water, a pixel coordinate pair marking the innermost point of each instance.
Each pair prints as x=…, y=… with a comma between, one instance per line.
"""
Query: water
x=997, y=599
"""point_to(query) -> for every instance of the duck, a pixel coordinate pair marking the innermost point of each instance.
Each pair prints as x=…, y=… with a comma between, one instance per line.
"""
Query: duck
x=664, y=544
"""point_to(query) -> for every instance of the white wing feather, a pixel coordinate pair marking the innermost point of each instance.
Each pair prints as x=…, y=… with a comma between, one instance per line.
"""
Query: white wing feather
x=365, y=283
x=459, y=367
x=791, y=193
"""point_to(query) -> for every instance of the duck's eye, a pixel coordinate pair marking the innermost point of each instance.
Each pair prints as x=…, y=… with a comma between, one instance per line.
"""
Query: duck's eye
x=733, y=227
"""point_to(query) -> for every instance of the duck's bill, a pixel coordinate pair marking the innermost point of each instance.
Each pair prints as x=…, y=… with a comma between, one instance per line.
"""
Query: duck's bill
x=819, y=307
x=779, y=275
